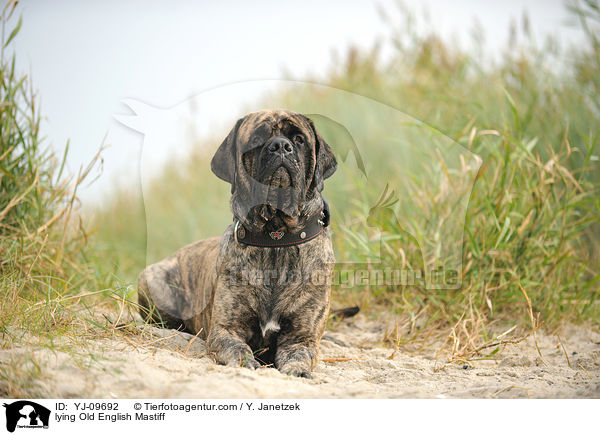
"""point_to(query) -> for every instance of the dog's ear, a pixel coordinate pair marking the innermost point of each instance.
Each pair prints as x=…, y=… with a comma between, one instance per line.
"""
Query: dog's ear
x=223, y=162
x=326, y=163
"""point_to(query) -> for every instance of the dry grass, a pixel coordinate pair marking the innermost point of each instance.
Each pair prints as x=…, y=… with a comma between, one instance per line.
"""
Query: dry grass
x=530, y=251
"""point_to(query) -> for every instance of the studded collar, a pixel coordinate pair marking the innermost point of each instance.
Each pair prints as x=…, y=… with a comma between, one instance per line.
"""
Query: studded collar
x=314, y=226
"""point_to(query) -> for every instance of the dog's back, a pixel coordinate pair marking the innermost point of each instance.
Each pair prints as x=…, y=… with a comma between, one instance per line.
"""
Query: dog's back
x=178, y=291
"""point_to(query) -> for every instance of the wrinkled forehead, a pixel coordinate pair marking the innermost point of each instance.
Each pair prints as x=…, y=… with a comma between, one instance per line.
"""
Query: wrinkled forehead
x=258, y=127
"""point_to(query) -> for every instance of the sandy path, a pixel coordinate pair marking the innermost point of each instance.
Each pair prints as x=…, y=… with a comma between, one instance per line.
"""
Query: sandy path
x=115, y=366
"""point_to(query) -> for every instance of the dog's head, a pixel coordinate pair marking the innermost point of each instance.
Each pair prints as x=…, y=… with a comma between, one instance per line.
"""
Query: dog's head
x=276, y=162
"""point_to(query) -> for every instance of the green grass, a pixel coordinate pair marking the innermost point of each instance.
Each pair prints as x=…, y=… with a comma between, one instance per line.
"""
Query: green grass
x=532, y=225
x=533, y=216
x=51, y=282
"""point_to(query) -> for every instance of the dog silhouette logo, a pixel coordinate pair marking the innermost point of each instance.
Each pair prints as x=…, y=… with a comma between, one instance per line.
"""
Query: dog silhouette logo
x=26, y=414
x=422, y=177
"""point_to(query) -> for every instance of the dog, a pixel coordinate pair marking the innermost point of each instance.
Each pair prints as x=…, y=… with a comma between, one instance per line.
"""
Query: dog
x=259, y=293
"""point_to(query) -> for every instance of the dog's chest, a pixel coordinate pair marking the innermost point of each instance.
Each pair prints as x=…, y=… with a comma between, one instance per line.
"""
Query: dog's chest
x=273, y=286
x=270, y=280
x=278, y=274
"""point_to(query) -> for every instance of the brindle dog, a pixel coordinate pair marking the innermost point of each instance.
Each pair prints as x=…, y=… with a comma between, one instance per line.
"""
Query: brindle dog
x=253, y=303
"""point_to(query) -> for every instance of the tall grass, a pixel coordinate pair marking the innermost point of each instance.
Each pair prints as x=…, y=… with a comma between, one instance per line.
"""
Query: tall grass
x=534, y=213
x=531, y=112
x=47, y=266
x=530, y=251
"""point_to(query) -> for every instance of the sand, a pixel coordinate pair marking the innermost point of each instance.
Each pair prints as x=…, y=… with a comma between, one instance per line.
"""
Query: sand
x=355, y=364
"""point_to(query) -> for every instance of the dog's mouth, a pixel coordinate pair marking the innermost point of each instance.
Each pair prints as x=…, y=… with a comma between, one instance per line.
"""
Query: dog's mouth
x=280, y=178
x=280, y=173
x=279, y=188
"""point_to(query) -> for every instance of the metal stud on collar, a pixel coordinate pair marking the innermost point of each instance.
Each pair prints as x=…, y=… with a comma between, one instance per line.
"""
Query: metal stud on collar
x=235, y=231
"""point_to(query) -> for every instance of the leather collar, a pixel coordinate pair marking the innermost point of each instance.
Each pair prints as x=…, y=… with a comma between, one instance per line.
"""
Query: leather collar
x=314, y=226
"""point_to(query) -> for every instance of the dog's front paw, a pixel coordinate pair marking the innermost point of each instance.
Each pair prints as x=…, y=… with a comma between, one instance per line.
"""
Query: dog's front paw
x=242, y=358
x=297, y=369
x=232, y=354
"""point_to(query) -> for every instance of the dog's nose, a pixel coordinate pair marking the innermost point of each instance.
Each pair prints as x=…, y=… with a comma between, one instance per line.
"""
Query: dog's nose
x=280, y=145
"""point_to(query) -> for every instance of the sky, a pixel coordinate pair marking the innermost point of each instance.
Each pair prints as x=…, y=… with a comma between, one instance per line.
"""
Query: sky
x=85, y=58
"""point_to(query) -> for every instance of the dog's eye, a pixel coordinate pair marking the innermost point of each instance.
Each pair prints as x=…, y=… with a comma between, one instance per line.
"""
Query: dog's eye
x=256, y=140
x=298, y=139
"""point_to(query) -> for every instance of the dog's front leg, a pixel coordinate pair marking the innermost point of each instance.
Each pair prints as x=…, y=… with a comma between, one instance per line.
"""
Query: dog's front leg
x=297, y=345
x=227, y=340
